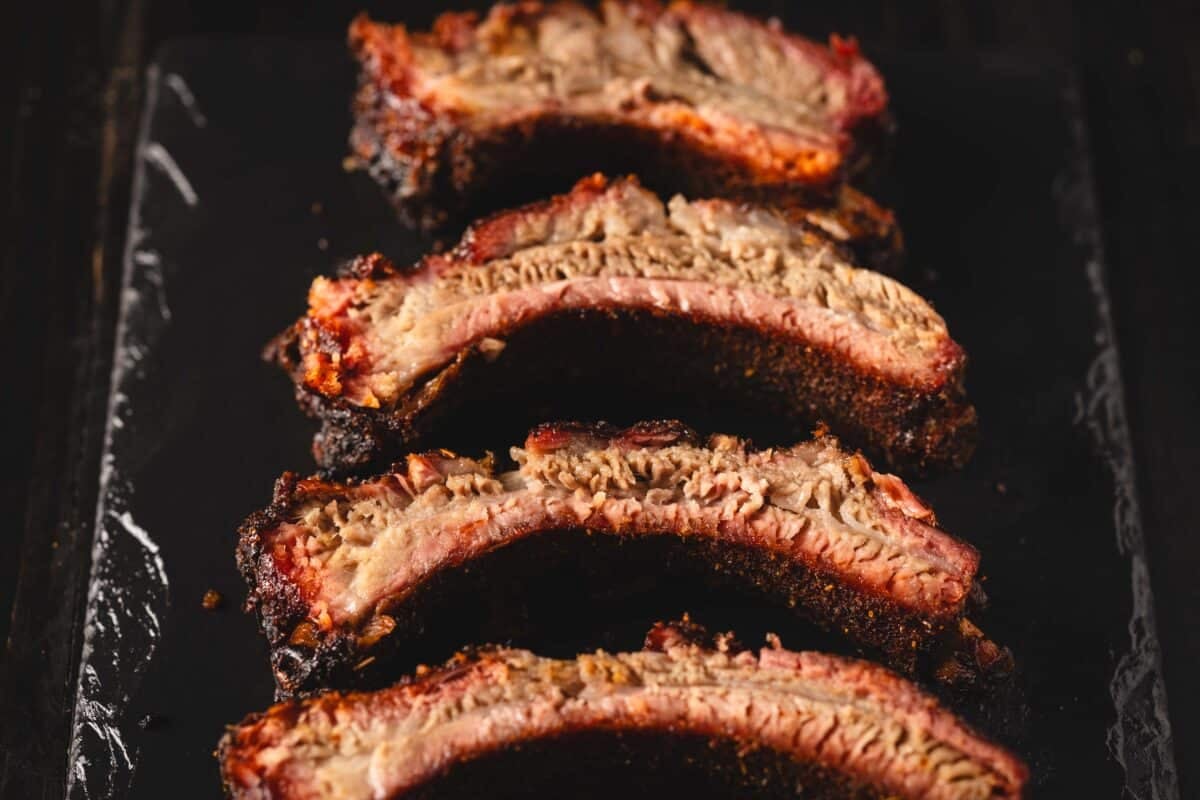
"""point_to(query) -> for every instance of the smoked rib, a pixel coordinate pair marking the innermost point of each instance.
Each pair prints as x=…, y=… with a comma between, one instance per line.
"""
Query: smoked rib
x=340, y=572
x=707, y=310
x=693, y=97
x=772, y=723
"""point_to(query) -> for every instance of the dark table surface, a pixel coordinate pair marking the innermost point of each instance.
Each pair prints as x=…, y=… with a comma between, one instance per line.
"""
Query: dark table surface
x=70, y=91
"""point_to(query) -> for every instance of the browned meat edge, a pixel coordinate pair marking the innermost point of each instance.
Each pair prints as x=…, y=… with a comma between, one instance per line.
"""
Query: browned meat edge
x=721, y=374
x=308, y=653
x=684, y=716
x=440, y=169
x=755, y=374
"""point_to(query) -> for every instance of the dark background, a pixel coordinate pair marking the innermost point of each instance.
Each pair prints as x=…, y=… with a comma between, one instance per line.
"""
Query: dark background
x=70, y=90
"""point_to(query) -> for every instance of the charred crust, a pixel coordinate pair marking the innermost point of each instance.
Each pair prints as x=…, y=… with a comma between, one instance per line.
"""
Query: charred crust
x=550, y=436
x=373, y=266
x=721, y=764
x=684, y=632
x=667, y=164
x=682, y=764
x=439, y=171
x=283, y=349
x=346, y=439
x=278, y=602
x=927, y=424
x=907, y=639
x=678, y=764
x=968, y=660
x=920, y=428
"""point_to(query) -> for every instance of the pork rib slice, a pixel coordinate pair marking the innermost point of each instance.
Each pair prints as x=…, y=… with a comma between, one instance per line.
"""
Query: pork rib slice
x=824, y=726
x=693, y=97
x=609, y=284
x=337, y=571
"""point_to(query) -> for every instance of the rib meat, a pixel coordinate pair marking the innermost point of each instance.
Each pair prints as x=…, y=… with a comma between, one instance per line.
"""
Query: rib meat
x=690, y=305
x=772, y=723
x=340, y=573
x=693, y=97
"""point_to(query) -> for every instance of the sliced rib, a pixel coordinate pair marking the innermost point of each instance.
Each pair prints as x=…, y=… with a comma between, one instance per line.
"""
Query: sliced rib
x=693, y=97
x=340, y=573
x=775, y=723
x=692, y=305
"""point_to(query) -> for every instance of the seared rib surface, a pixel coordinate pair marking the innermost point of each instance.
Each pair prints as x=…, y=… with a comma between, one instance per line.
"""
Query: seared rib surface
x=338, y=570
x=610, y=285
x=693, y=97
x=836, y=727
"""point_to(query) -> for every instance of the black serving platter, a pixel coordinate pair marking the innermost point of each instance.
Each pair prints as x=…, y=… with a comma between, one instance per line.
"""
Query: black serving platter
x=240, y=198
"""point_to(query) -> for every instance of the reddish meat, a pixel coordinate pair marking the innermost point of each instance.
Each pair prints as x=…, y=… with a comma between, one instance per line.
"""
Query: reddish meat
x=834, y=726
x=339, y=572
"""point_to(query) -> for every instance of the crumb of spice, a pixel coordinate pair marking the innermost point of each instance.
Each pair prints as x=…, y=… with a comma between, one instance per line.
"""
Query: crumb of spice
x=151, y=721
x=212, y=600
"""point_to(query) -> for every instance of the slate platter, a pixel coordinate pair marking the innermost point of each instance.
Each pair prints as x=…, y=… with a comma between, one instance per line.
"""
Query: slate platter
x=240, y=198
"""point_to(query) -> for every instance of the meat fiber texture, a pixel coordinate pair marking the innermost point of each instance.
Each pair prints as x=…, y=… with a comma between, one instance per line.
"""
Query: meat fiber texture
x=337, y=570
x=609, y=283
x=850, y=728
x=693, y=97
